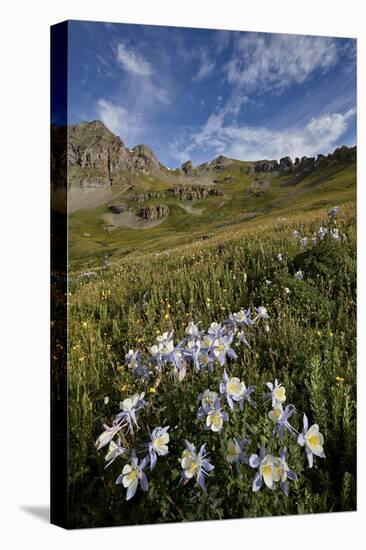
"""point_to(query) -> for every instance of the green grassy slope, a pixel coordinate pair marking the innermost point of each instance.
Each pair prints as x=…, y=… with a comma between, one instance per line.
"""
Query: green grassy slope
x=89, y=241
x=309, y=346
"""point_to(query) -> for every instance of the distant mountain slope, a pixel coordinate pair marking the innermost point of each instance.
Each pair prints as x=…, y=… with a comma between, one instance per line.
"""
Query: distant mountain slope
x=96, y=157
x=124, y=201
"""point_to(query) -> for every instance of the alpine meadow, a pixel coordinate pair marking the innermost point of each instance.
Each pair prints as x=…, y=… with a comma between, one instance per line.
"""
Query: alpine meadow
x=211, y=277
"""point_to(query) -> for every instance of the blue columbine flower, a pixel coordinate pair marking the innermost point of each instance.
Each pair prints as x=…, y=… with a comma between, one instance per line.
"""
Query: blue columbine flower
x=333, y=212
x=262, y=313
x=277, y=392
x=109, y=433
x=335, y=234
x=312, y=440
x=299, y=275
x=236, y=391
x=114, y=451
x=271, y=469
x=216, y=417
x=303, y=242
x=264, y=464
x=192, y=330
x=235, y=452
x=322, y=232
x=193, y=352
x=286, y=473
x=161, y=351
x=132, y=475
x=281, y=417
x=158, y=445
x=222, y=349
x=207, y=399
x=242, y=317
x=133, y=361
x=195, y=465
x=216, y=330
x=241, y=338
x=130, y=407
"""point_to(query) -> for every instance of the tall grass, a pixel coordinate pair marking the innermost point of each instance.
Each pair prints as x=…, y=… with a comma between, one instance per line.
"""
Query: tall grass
x=310, y=347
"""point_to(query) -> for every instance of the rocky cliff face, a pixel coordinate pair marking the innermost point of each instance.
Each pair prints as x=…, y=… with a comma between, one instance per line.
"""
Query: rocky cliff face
x=96, y=157
x=306, y=164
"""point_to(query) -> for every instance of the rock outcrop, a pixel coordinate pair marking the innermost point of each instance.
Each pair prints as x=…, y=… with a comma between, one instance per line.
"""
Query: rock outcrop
x=187, y=167
x=286, y=164
x=154, y=212
x=141, y=197
x=194, y=192
x=266, y=166
x=144, y=159
x=96, y=157
x=117, y=208
x=305, y=164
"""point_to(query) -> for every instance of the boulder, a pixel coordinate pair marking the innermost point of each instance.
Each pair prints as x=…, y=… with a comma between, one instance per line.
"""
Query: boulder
x=117, y=208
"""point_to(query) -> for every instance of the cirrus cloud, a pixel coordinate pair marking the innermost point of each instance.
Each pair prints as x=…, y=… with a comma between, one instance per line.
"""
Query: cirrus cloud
x=273, y=62
x=132, y=61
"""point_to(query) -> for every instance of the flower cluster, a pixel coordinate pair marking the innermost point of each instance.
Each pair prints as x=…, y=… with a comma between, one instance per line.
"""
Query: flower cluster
x=197, y=352
x=323, y=231
x=271, y=470
x=200, y=350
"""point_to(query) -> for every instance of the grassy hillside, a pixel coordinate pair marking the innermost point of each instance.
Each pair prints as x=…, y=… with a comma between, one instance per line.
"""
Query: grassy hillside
x=247, y=200
x=308, y=343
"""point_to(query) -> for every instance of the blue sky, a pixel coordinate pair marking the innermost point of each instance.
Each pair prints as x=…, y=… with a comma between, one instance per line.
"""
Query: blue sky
x=196, y=93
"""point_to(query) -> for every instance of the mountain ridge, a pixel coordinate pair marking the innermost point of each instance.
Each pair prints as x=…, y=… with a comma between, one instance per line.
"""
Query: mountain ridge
x=97, y=157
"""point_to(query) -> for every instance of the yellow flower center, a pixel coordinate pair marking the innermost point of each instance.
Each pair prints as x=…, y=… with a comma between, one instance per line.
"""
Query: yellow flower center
x=193, y=467
x=133, y=474
x=216, y=418
x=267, y=470
x=314, y=440
x=280, y=394
x=160, y=442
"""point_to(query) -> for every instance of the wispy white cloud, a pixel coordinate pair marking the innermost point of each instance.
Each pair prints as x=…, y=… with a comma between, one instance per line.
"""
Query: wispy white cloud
x=141, y=96
x=253, y=143
x=119, y=120
x=207, y=65
x=273, y=62
x=132, y=61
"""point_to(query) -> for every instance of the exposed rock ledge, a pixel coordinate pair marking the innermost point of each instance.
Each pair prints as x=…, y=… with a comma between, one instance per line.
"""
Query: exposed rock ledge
x=154, y=212
x=193, y=192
